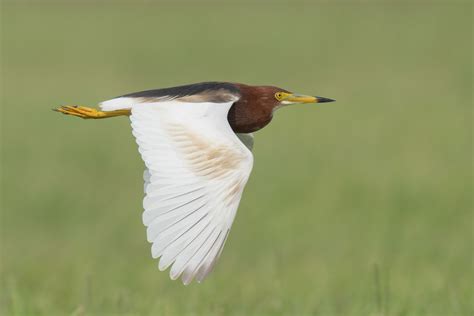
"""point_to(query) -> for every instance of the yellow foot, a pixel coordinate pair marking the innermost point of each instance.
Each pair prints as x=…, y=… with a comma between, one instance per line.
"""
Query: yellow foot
x=89, y=113
x=80, y=111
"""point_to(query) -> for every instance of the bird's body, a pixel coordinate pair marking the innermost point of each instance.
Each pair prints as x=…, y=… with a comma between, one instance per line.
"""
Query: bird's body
x=252, y=110
x=196, y=143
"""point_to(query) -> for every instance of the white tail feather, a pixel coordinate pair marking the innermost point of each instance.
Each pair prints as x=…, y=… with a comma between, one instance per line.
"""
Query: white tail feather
x=118, y=104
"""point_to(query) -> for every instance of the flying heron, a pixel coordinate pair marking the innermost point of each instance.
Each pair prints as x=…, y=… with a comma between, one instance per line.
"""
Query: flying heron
x=196, y=141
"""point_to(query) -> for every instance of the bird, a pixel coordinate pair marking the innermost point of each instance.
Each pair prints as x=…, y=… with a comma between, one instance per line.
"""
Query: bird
x=196, y=141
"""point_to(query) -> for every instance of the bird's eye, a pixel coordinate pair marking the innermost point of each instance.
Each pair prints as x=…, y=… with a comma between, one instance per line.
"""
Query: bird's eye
x=278, y=96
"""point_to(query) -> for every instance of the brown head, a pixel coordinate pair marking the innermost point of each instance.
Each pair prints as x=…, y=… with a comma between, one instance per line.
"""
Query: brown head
x=254, y=110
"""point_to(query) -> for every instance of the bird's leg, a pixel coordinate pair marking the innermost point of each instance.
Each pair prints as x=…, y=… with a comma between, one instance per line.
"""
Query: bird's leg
x=89, y=113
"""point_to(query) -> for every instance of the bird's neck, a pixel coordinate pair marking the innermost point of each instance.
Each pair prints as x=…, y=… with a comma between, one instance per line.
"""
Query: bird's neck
x=251, y=112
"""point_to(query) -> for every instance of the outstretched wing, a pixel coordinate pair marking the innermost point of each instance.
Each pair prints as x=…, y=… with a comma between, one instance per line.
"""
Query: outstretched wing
x=197, y=168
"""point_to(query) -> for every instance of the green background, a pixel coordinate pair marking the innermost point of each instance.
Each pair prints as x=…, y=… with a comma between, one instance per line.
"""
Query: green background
x=359, y=207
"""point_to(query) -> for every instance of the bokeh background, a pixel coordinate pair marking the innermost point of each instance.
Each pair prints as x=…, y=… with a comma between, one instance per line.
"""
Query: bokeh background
x=359, y=207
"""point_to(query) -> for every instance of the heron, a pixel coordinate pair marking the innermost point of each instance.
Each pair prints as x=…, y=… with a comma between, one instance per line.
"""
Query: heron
x=196, y=141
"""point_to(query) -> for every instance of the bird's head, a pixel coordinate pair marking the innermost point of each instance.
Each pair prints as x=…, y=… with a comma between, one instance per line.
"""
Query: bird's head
x=275, y=98
x=255, y=108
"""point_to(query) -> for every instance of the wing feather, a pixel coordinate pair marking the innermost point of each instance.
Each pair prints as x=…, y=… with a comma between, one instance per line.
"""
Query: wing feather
x=196, y=171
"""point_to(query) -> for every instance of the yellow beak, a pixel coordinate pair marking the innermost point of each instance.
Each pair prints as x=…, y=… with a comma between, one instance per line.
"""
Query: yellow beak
x=298, y=98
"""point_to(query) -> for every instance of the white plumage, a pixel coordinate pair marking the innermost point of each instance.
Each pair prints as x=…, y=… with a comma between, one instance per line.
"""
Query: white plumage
x=196, y=170
x=119, y=103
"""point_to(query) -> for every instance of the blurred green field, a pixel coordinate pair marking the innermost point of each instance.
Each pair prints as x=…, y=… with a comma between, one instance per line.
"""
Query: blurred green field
x=359, y=207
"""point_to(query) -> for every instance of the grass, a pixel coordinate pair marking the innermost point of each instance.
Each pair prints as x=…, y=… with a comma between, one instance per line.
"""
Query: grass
x=359, y=207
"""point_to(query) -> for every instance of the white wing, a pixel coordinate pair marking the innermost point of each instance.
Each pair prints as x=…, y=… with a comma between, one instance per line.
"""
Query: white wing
x=196, y=172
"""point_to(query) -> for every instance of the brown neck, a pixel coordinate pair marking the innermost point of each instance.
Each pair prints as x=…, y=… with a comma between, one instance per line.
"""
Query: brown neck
x=254, y=110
